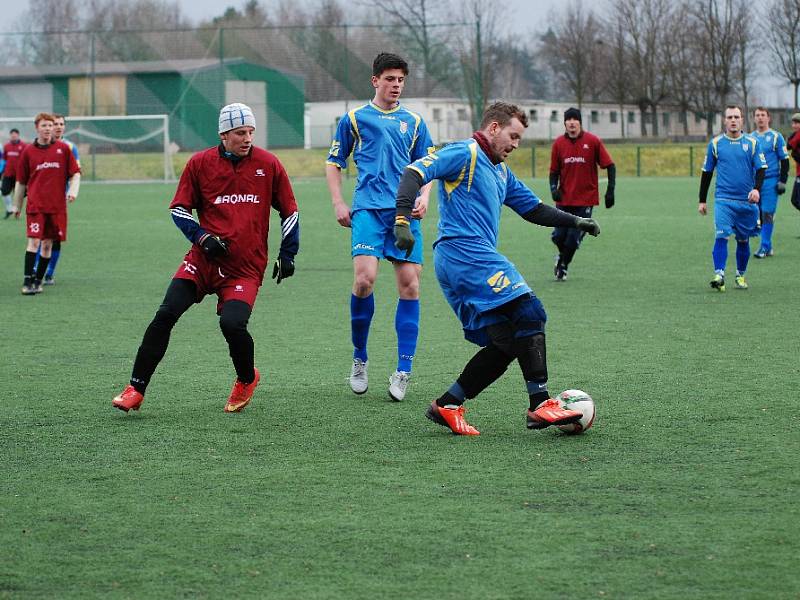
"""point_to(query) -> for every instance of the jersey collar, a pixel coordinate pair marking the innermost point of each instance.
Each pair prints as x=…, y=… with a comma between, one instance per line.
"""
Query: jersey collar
x=230, y=156
x=386, y=112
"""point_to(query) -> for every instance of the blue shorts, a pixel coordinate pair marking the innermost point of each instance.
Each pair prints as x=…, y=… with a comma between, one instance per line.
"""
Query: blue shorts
x=372, y=234
x=769, y=195
x=475, y=279
x=736, y=217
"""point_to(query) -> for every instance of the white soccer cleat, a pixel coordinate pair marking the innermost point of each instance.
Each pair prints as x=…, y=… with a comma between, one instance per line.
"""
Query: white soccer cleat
x=398, y=383
x=358, y=376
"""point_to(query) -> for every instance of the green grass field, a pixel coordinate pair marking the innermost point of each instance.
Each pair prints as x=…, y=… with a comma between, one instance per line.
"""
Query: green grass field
x=686, y=487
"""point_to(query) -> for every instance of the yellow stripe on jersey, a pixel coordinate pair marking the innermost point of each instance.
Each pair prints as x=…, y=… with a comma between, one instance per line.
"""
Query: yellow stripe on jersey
x=714, y=144
x=354, y=124
x=417, y=121
x=473, y=149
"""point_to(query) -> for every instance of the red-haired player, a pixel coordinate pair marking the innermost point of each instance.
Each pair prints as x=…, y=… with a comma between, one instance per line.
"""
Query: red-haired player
x=46, y=169
x=232, y=188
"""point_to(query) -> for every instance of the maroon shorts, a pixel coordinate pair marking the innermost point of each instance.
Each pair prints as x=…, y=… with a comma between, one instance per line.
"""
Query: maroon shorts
x=47, y=226
x=211, y=279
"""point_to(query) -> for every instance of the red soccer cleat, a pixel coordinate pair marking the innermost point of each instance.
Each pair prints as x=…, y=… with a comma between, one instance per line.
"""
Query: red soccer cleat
x=129, y=399
x=452, y=418
x=550, y=412
x=241, y=394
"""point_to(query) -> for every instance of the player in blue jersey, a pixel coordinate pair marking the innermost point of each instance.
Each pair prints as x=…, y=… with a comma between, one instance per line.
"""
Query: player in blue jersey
x=59, y=125
x=497, y=308
x=773, y=146
x=740, y=170
x=383, y=138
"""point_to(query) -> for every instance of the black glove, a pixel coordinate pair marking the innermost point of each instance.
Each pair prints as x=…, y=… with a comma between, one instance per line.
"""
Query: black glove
x=589, y=226
x=556, y=194
x=213, y=246
x=609, y=198
x=404, y=239
x=780, y=188
x=284, y=267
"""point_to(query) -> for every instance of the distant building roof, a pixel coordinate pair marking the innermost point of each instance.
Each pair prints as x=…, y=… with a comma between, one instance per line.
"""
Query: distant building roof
x=115, y=68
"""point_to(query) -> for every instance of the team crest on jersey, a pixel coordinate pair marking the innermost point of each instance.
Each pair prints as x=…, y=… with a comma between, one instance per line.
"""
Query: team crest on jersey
x=58, y=151
x=403, y=126
x=260, y=173
x=586, y=146
x=745, y=147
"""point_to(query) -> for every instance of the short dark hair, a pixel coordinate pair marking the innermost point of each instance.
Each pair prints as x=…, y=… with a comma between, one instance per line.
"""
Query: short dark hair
x=732, y=107
x=59, y=116
x=502, y=113
x=763, y=109
x=15, y=130
x=385, y=61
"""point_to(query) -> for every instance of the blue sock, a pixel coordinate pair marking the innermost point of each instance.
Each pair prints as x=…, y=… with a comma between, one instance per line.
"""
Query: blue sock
x=742, y=256
x=36, y=260
x=720, y=254
x=406, y=323
x=361, y=311
x=766, y=235
x=51, y=267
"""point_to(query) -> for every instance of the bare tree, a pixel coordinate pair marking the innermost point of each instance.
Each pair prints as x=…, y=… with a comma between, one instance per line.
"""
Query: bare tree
x=48, y=42
x=745, y=66
x=571, y=48
x=478, y=55
x=718, y=23
x=782, y=19
x=426, y=44
x=644, y=22
x=681, y=63
x=617, y=70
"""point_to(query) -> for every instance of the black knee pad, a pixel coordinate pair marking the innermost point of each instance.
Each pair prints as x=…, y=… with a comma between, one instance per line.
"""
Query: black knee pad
x=768, y=217
x=532, y=357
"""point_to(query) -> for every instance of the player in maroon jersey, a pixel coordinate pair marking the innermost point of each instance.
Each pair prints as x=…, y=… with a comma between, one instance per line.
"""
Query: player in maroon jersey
x=11, y=152
x=45, y=170
x=573, y=183
x=232, y=188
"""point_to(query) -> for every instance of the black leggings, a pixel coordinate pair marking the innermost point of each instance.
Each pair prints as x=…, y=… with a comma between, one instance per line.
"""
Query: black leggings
x=181, y=294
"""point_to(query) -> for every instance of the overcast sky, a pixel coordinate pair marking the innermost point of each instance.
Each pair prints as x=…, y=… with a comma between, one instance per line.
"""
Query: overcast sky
x=526, y=17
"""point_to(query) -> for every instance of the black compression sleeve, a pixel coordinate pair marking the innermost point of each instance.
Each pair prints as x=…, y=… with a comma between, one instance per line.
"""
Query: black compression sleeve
x=549, y=216
x=784, y=176
x=612, y=177
x=759, y=179
x=553, y=181
x=705, y=183
x=407, y=192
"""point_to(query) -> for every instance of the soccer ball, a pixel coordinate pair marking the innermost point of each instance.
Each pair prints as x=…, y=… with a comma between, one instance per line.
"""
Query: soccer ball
x=580, y=401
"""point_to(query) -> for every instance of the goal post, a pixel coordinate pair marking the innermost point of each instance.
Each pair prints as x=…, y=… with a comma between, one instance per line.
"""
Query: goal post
x=126, y=148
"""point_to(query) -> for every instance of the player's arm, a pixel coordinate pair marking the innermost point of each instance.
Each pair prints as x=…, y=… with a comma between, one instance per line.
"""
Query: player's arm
x=521, y=199
x=333, y=176
x=706, y=174
x=611, y=171
x=341, y=147
x=407, y=191
x=73, y=187
x=284, y=202
x=555, y=174
x=550, y=216
x=783, y=177
x=181, y=211
x=760, y=165
x=19, y=198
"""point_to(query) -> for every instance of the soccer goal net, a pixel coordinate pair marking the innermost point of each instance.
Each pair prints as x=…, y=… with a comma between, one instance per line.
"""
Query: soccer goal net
x=133, y=148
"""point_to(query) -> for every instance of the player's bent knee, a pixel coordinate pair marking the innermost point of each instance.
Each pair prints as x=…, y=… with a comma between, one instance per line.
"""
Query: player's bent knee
x=234, y=318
